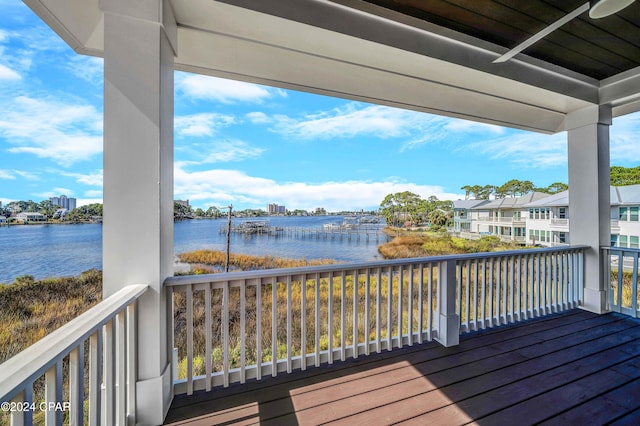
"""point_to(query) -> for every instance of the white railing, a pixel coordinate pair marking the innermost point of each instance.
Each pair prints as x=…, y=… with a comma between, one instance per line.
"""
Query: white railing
x=559, y=223
x=506, y=287
x=100, y=343
x=621, y=272
x=237, y=326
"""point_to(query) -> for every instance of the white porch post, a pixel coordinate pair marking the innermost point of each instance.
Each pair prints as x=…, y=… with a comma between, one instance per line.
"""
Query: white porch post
x=589, y=196
x=140, y=40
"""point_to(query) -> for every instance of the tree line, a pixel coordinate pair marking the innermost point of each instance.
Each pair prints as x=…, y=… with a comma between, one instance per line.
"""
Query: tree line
x=511, y=188
x=409, y=208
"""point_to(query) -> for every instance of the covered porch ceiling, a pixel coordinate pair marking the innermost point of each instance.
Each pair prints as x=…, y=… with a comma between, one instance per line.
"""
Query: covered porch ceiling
x=434, y=56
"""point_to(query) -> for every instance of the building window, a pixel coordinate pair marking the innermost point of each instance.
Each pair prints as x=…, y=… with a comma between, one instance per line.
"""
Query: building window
x=633, y=214
x=633, y=242
x=562, y=213
x=614, y=240
x=623, y=213
x=622, y=241
x=562, y=237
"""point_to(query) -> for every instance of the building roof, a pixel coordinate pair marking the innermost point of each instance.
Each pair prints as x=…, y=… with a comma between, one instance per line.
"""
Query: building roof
x=620, y=195
x=513, y=202
x=629, y=194
x=468, y=204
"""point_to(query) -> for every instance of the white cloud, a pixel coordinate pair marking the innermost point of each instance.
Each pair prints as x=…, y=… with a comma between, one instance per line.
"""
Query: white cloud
x=7, y=73
x=6, y=174
x=85, y=201
x=219, y=151
x=93, y=193
x=204, y=124
x=222, y=90
x=88, y=68
x=524, y=149
x=55, y=192
x=65, y=132
x=217, y=187
x=257, y=117
x=91, y=179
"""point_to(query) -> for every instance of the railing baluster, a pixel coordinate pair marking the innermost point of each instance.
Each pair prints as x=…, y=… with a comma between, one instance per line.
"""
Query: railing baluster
x=421, y=303
x=343, y=314
x=76, y=385
x=430, y=302
x=258, y=331
x=467, y=294
x=189, y=296
x=289, y=323
x=225, y=334
x=483, y=310
x=53, y=393
x=107, y=373
x=475, y=294
x=95, y=375
x=274, y=327
x=491, y=286
x=511, y=315
x=410, y=306
x=400, y=304
x=389, y=308
x=634, y=286
x=132, y=367
x=367, y=310
x=208, y=338
x=243, y=331
x=355, y=334
x=121, y=397
x=330, y=318
x=378, y=309
x=303, y=324
x=317, y=321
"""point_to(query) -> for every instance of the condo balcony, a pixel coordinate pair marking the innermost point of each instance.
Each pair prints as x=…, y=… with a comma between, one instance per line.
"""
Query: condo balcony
x=522, y=337
x=482, y=337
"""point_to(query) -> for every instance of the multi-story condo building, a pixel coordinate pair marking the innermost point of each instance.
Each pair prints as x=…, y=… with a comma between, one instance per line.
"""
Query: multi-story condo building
x=543, y=219
x=63, y=201
x=274, y=208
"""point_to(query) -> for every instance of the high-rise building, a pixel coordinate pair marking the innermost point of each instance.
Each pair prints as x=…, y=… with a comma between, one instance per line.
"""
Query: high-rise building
x=63, y=201
x=274, y=208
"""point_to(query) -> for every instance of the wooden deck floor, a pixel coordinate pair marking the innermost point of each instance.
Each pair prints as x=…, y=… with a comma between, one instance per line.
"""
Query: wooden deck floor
x=572, y=368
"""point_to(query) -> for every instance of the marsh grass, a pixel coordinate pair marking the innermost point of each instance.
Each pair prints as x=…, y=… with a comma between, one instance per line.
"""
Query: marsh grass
x=435, y=244
x=342, y=329
x=31, y=309
x=627, y=289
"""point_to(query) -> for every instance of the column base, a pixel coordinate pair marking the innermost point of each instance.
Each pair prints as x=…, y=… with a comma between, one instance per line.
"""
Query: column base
x=153, y=398
x=449, y=330
x=595, y=301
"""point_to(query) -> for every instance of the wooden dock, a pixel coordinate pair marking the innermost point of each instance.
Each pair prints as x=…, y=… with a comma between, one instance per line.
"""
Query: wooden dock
x=358, y=233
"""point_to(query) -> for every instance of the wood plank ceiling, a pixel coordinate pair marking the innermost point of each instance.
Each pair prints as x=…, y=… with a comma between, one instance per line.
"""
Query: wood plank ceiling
x=597, y=48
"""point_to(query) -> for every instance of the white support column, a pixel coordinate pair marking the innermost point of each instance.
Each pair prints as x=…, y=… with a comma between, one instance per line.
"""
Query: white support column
x=448, y=320
x=589, y=196
x=140, y=40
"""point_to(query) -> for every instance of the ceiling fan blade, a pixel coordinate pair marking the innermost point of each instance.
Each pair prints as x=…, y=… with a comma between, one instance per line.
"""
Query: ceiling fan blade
x=541, y=34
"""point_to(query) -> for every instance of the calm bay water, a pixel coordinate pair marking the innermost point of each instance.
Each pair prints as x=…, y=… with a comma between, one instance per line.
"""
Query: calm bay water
x=64, y=250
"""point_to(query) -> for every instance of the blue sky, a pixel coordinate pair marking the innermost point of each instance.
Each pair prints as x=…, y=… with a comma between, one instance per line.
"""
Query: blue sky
x=252, y=145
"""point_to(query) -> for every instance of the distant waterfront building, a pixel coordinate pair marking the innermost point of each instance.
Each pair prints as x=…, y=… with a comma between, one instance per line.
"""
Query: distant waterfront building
x=30, y=217
x=63, y=201
x=182, y=202
x=274, y=208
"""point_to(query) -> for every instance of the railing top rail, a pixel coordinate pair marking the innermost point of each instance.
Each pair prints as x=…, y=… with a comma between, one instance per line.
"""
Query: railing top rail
x=621, y=249
x=34, y=361
x=267, y=273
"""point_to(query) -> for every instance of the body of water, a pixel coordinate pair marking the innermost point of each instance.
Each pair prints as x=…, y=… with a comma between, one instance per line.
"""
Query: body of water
x=65, y=250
